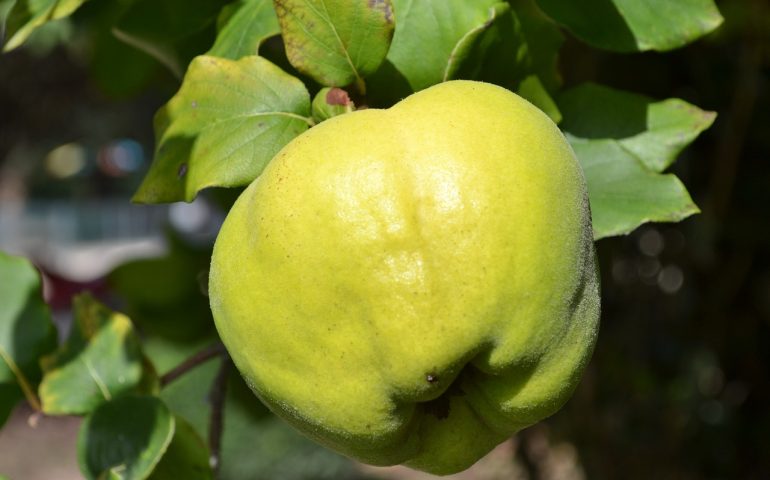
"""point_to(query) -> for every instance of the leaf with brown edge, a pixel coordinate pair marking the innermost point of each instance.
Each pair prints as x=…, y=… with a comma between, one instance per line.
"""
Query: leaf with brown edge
x=101, y=359
x=336, y=42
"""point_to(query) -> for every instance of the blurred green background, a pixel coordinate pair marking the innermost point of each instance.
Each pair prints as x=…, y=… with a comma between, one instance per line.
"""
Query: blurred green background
x=679, y=386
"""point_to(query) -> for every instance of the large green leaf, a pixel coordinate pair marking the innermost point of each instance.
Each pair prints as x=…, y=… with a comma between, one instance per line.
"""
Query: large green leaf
x=623, y=193
x=171, y=31
x=656, y=132
x=635, y=25
x=27, y=15
x=243, y=26
x=224, y=125
x=125, y=438
x=101, y=359
x=337, y=42
x=434, y=38
x=26, y=332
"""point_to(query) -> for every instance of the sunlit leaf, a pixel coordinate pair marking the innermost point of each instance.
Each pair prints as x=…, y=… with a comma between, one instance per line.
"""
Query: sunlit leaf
x=224, y=125
x=656, y=132
x=623, y=193
x=101, y=360
x=337, y=42
x=434, y=37
x=27, y=15
x=125, y=438
x=635, y=25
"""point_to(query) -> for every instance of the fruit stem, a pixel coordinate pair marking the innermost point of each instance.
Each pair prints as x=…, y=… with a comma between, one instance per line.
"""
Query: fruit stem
x=213, y=351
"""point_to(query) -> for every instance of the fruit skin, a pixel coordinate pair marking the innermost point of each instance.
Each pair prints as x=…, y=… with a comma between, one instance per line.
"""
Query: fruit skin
x=413, y=285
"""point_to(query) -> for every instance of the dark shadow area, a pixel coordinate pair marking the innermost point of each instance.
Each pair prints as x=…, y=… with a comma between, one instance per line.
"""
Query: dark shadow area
x=680, y=381
x=583, y=17
x=612, y=115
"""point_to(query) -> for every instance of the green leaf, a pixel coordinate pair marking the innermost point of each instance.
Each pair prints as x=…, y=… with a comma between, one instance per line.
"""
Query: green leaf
x=243, y=26
x=655, y=132
x=125, y=438
x=187, y=457
x=101, y=359
x=5, y=8
x=260, y=446
x=26, y=332
x=188, y=395
x=544, y=40
x=119, y=69
x=224, y=125
x=635, y=25
x=171, y=31
x=533, y=90
x=337, y=42
x=623, y=193
x=256, y=445
x=10, y=396
x=27, y=15
x=330, y=102
x=434, y=38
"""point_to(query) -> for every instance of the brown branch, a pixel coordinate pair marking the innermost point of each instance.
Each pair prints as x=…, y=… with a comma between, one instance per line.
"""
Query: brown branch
x=216, y=350
x=217, y=397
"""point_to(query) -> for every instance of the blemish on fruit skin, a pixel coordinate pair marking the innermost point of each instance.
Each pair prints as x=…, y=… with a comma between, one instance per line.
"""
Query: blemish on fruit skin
x=431, y=378
x=194, y=104
x=182, y=171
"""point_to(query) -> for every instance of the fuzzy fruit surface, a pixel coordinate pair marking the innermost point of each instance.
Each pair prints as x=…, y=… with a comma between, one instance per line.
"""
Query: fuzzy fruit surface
x=413, y=285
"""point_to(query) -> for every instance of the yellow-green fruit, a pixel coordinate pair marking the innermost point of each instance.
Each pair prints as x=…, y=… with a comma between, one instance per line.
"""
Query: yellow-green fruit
x=413, y=285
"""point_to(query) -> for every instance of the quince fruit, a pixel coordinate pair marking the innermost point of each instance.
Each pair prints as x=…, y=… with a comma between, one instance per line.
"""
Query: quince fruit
x=413, y=285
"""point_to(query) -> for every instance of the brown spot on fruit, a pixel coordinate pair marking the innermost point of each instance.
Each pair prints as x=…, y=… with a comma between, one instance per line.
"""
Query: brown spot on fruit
x=431, y=378
x=182, y=171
